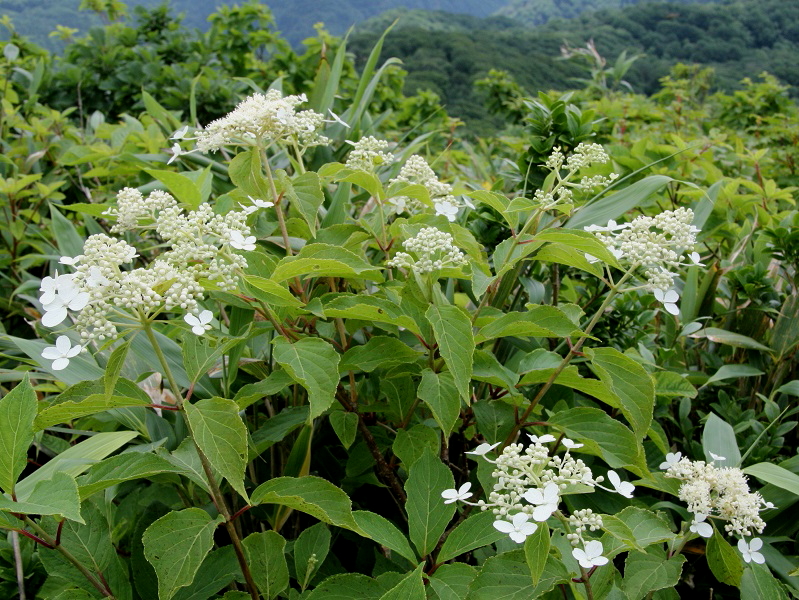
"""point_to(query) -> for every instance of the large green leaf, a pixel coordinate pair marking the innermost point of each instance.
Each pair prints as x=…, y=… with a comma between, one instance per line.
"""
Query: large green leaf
x=305, y=194
x=410, y=588
x=176, y=545
x=452, y=581
x=267, y=562
x=758, y=582
x=721, y=336
x=718, y=437
x=379, y=351
x=312, y=495
x=644, y=573
x=95, y=403
x=499, y=202
x=439, y=393
x=724, y=561
x=384, y=532
x=271, y=292
x=313, y=363
x=181, y=187
x=347, y=586
x=775, y=475
x=507, y=577
x=453, y=332
x=246, y=172
x=733, y=372
x=537, y=321
x=310, y=551
x=55, y=496
x=221, y=436
x=571, y=377
x=603, y=436
x=475, y=532
x=369, y=308
x=325, y=260
x=428, y=516
x=124, y=467
x=17, y=413
x=630, y=382
x=536, y=552
x=582, y=241
x=673, y=385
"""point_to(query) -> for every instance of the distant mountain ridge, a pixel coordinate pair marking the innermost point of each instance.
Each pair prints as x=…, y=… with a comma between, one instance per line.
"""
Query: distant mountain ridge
x=537, y=12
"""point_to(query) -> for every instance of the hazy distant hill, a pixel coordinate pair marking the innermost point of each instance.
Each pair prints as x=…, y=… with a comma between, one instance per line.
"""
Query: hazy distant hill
x=538, y=12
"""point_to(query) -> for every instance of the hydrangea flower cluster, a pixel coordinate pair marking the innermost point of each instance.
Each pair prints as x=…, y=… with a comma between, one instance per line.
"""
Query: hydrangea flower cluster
x=269, y=116
x=719, y=493
x=433, y=249
x=584, y=155
x=199, y=253
x=655, y=244
x=417, y=171
x=368, y=153
x=529, y=484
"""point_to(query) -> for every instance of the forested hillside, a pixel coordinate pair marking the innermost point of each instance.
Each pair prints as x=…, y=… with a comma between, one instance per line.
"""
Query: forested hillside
x=538, y=12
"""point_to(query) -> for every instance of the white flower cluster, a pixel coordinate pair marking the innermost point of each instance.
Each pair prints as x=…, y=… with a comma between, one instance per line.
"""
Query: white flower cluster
x=199, y=254
x=583, y=156
x=269, y=116
x=417, y=171
x=433, y=249
x=529, y=483
x=368, y=153
x=719, y=493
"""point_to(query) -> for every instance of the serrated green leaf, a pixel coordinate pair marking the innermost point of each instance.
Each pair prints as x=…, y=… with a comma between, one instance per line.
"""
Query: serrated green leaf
x=507, y=577
x=428, y=516
x=267, y=562
x=95, y=403
x=581, y=241
x=313, y=363
x=384, y=532
x=379, y=351
x=246, y=173
x=603, y=436
x=310, y=551
x=305, y=194
x=181, y=187
x=570, y=377
x=475, y=532
x=571, y=257
x=176, y=545
x=538, y=321
x=345, y=424
x=55, y=496
x=499, y=202
x=453, y=332
x=438, y=392
x=724, y=561
x=312, y=495
x=123, y=467
x=630, y=382
x=452, y=581
x=271, y=292
x=410, y=444
x=536, y=552
x=221, y=435
x=200, y=354
x=325, y=260
x=487, y=368
x=17, y=413
x=673, y=385
x=347, y=586
x=410, y=588
x=369, y=308
x=649, y=572
x=758, y=582
x=217, y=571
x=115, y=363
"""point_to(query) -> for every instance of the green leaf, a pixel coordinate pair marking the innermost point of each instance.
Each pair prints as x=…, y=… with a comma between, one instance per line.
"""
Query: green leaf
x=603, y=436
x=216, y=572
x=253, y=392
x=246, y=173
x=775, y=475
x=55, y=496
x=200, y=355
x=438, y=391
x=453, y=332
x=536, y=552
x=76, y=459
x=452, y=581
x=758, y=582
x=618, y=529
x=95, y=403
x=581, y=241
x=123, y=467
x=384, y=532
x=312, y=495
x=718, y=437
x=724, y=561
x=649, y=572
x=347, y=586
x=791, y=388
x=571, y=377
x=733, y=372
x=221, y=435
x=428, y=516
x=410, y=444
x=310, y=551
x=500, y=203
x=345, y=424
x=507, y=577
x=369, y=308
x=673, y=385
x=271, y=292
x=410, y=588
x=70, y=242
x=313, y=363
x=630, y=382
x=181, y=187
x=176, y=544
x=566, y=255
x=17, y=413
x=267, y=562
x=325, y=260
x=305, y=194
x=379, y=351
x=278, y=427
x=475, y=532
x=114, y=367
x=487, y=368
x=721, y=336
x=537, y=321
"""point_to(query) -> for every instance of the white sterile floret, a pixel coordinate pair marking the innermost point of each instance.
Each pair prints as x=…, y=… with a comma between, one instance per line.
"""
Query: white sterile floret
x=546, y=501
x=447, y=207
x=69, y=260
x=176, y=152
x=432, y=249
x=417, y=171
x=66, y=298
x=482, y=449
x=570, y=444
x=51, y=285
x=699, y=526
x=623, y=488
x=61, y=352
x=715, y=456
x=199, y=323
x=269, y=117
x=368, y=153
x=672, y=458
x=454, y=495
x=518, y=528
x=591, y=555
x=669, y=300
x=695, y=259
x=256, y=205
x=654, y=244
x=336, y=119
x=238, y=241
x=541, y=439
x=749, y=552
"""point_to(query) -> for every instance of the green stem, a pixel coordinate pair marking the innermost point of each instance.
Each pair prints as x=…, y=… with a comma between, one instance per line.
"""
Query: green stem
x=99, y=585
x=277, y=200
x=173, y=384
